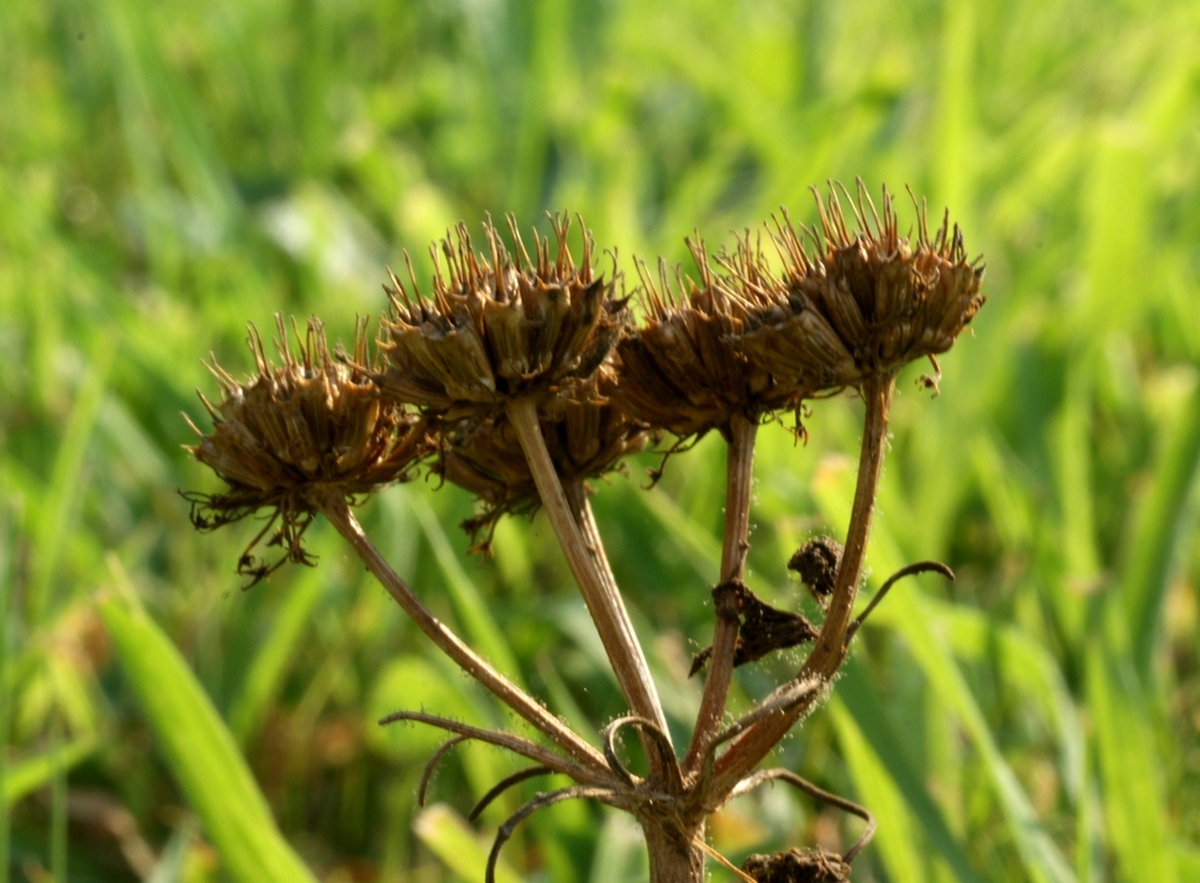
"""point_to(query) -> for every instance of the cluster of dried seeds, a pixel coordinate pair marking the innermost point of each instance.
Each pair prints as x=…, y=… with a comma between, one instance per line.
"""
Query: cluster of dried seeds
x=313, y=424
x=745, y=339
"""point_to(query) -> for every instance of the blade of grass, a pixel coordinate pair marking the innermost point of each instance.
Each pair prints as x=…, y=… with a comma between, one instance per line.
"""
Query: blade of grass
x=198, y=748
x=460, y=849
x=856, y=696
x=1130, y=772
x=26, y=776
x=63, y=494
x=261, y=684
x=896, y=839
x=5, y=631
x=1158, y=528
x=485, y=635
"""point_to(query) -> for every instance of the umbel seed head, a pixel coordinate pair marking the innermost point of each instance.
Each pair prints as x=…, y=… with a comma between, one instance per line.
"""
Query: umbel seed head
x=889, y=298
x=683, y=369
x=586, y=435
x=498, y=327
x=295, y=433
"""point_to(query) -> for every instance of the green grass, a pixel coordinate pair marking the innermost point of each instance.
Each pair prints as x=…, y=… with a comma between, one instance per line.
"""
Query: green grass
x=169, y=172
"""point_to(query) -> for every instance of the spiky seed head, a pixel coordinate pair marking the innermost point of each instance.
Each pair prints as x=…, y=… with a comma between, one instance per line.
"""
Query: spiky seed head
x=682, y=368
x=498, y=327
x=889, y=298
x=586, y=436
x=294, y=433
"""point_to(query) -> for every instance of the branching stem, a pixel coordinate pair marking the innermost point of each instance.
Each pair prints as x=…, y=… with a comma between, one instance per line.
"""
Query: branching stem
x=829, y=650
x=590, y=570
x=739, y=474
x=334, y=508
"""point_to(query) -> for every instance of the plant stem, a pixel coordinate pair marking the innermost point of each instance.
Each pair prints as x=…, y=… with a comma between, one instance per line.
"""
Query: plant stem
x=739, y=472
x=335, y=509
x=600, y=594
x=748, y=749
x=581, y=511
x=675, y=856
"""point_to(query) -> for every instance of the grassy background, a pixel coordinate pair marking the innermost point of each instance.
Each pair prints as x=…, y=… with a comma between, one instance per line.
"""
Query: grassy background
x=169, y=172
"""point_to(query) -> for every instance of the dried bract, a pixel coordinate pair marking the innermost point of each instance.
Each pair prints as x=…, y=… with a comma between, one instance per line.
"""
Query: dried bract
x=586, y=435
x=817, y=563
x=889, y=299
x=499, y=327
x=296, y=432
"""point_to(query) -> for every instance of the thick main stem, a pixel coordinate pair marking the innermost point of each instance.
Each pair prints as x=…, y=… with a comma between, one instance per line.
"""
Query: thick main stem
x=675, y=856
x=335, y=509
x=739, y=473
x=604, y=603
x=748, y=749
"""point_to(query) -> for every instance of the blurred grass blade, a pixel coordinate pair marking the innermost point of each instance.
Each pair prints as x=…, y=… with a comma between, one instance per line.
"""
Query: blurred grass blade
x=856, y=696
x=1042, y=858
x=6, y=611
x=620, y=851
x=26, y=776
x=462, y=850
x=171, y=863
x=913, y=618
x=1130, y=770
x=1025, y=666
x=1159, y=526
x=270, y=663
x=199, y=750
x=895, y=838
x=64, y=493
x=481, y=629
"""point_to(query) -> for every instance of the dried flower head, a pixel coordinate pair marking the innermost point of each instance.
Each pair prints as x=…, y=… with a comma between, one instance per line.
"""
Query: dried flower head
x=889, y=299
x=683, y=369
x=797, y=866
x=586, y=435
x=499, y=327
x=296, y=432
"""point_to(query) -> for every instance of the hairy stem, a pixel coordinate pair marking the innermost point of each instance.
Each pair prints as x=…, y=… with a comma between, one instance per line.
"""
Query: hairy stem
x=600, y=594
x=335, y=509
x=748, y=749
x=739, y=472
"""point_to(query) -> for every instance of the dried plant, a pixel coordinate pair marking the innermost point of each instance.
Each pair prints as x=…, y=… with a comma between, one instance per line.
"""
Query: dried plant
x=520, y=378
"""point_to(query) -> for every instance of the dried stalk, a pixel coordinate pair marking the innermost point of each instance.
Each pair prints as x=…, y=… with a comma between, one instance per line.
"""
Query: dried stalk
x=748, y=749
x=335, y=509
x=739, y=473
x=603, y=602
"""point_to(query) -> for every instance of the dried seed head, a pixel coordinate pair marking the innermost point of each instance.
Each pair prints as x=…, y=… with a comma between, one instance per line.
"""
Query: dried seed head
x=586, y=435
x=296, y=432
x=683, y=369
x=889, y=300
x=797, y=866
x=499, y=327
x=817, y=563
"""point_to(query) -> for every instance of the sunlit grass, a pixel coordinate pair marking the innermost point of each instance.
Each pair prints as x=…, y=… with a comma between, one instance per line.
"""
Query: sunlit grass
x=169, y=172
